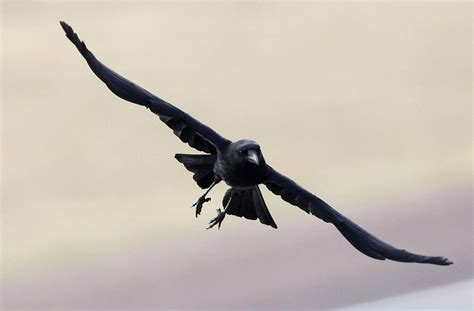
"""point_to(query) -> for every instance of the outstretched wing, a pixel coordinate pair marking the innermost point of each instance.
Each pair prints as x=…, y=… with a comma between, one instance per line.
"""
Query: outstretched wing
x=188, y=129
x=358, y=237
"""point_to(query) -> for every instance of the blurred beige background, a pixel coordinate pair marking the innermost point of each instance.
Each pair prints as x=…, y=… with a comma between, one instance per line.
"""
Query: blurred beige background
x=368, y=104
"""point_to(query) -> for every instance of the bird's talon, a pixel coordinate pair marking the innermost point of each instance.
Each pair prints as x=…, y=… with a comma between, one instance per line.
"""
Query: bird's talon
x=200, y=202
x=217, y=220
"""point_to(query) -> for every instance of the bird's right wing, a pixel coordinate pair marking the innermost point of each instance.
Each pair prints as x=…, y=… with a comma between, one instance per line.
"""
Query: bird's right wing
x=358, y=237
x=188, y=129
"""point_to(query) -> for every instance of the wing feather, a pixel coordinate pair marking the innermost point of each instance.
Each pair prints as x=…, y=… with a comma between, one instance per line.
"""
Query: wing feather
x=188, y=129
x=358, y=237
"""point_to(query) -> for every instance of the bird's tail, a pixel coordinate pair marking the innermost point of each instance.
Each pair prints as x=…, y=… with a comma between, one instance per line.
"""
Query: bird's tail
x=202, y=165
x=248, y=203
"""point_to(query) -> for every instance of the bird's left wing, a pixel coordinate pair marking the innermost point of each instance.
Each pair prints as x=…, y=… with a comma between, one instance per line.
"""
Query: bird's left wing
x=188, y=129
x=358, y=237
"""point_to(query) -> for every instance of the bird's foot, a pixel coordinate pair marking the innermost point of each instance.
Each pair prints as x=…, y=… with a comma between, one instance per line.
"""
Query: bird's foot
x=200, y=202
x=217, y=220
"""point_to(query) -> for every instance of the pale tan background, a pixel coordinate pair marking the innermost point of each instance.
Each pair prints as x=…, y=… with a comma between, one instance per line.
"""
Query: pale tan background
x=367, y=104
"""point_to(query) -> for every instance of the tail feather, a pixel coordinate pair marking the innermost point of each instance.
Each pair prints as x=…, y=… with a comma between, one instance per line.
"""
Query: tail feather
x=240, y=205
x=263, y=213
x=248, y=204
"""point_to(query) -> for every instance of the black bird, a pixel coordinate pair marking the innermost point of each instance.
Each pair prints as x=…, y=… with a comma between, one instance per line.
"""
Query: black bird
x=242, y=166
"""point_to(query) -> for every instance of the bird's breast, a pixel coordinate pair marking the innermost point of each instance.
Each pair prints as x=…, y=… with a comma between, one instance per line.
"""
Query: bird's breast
x=240, y=176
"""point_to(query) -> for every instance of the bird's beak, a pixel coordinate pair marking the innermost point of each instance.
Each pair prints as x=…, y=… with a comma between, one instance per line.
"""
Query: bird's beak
x=252, y=157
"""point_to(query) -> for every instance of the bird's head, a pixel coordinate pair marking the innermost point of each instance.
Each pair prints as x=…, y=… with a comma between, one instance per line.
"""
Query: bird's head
x=247, y=152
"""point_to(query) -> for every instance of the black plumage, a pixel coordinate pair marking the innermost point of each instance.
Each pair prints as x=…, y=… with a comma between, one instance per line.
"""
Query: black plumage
x=242, y=166
x=202, y=165
x=248, y=203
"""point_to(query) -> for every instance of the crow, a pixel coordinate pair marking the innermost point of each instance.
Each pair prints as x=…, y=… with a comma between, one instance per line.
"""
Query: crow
x=240, y=165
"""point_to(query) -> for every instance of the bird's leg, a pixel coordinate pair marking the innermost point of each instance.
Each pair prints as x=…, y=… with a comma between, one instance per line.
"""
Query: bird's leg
x=220, y=215
x=202, y=199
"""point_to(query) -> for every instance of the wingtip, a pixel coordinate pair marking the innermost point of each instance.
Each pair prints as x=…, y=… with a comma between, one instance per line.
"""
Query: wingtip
x=440, y=261
x=66, y=27
x=74, y=38
x=70, y=32
x=446, y=262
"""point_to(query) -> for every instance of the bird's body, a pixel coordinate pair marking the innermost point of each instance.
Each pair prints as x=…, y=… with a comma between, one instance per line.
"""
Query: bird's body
x=235, y=170
x=240, y=165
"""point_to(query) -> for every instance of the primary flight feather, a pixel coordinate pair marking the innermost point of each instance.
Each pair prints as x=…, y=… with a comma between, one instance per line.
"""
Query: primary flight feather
x=241, y=165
